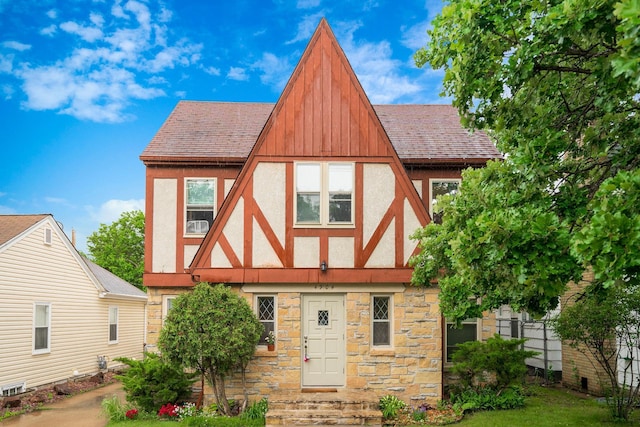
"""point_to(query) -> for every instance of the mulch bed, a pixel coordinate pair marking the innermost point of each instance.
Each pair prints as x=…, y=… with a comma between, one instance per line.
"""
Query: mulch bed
x=35, y=399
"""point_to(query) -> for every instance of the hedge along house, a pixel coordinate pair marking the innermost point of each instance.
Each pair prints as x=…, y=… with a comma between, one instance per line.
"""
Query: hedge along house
x=305, y=207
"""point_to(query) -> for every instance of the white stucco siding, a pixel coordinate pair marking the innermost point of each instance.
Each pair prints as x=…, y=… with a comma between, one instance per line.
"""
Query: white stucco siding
x=219, y=258
x=228, y=183
x=264, y=256
x=234, y=230
x=341, y=252
x=165, y=199
x=189, y=253
x=269, y=192
x=384, y=255
x=31, y=272
x=379, y=185
x=306, y=252
x=411, y=224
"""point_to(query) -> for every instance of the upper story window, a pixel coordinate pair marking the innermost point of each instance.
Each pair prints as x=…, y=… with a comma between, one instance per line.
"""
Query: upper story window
x=440, y=187
x=200, y=204
x=324, y=194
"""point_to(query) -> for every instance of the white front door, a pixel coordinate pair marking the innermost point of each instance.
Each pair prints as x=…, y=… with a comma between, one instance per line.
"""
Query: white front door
x=323, y=343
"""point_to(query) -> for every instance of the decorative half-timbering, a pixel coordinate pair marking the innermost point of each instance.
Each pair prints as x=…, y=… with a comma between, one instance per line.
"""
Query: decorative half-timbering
x=305, y=207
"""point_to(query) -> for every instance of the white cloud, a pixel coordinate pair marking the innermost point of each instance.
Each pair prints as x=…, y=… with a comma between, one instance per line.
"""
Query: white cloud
x=213, y=71
x=6, y=63
x=49, y=31
x=7, y=94
x=237, y=73
x=56, y=200
x=12, y=44
x=306, y=27
x=118, y=58
x=52, y=13
x=111, y=210
x=379, y=74
x=180, y=94
x=307, y=4
x=275, y=71
x=88, y=34
x=416, y=36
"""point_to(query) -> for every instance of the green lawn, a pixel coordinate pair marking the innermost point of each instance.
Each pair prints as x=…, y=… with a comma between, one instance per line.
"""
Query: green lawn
x=549, y=407
x=546, y=407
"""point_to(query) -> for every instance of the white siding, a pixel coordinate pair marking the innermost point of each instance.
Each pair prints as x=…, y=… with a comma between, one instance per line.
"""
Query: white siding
x=31, y=271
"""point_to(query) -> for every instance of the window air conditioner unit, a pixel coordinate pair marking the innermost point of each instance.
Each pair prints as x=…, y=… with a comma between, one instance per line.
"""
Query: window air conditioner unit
x=197, y=227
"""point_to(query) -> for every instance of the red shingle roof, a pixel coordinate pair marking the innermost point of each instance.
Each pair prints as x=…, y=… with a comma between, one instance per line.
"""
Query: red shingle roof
x=12, y=225
x=226, y=132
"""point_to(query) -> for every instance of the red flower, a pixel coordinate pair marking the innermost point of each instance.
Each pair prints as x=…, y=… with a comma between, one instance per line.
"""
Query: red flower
x=168, y=410
x=132, y=413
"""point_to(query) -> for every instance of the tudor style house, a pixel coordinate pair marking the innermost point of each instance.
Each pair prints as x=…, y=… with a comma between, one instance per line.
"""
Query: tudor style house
x=305, y=208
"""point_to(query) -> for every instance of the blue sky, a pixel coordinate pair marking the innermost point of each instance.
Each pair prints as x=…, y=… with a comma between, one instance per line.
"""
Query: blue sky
x=86, y=84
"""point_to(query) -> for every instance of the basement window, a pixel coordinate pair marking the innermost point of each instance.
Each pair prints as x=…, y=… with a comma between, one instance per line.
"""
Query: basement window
x=13, y=389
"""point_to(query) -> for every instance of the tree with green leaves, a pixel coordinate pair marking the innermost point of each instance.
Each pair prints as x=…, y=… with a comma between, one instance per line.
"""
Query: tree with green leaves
x=214, y=331
x=119, y=247
x=604, y=324
x=556, y=84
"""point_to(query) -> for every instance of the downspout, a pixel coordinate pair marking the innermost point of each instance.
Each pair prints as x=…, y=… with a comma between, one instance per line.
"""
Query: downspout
x=546, y=358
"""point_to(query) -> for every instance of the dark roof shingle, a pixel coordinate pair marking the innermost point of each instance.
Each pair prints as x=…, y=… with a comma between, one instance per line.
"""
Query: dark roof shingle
x=227, y=131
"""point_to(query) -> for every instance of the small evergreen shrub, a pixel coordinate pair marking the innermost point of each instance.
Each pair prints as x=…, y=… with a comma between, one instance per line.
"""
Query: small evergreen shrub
x=497, y=363
x=151, y=383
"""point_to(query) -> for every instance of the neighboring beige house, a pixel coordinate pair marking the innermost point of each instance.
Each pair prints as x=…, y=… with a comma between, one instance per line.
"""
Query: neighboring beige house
x=58, y=311
x=305, y=207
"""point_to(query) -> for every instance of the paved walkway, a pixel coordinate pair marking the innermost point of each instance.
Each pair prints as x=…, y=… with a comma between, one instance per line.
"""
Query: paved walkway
x=82, y=410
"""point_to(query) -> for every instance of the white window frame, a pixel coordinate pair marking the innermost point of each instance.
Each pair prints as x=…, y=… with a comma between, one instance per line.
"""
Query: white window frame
x=275, y=314
x=48, y=236
x=13, y=389
x=388, y=321
x=324, y=221
x=47, y=349
x=165, y=305
x=432, y=181
x=117, y=323
x=186, y=206
x=448, y=325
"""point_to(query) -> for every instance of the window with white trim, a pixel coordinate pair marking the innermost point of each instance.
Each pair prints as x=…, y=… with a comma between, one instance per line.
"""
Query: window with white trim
x=468, y=331
x=13, y=389
x=41, y=327
x=266, y=311
x=167, y=305
x=324, y=194
x=381, y=320
x=200, y=202
x=48, y=236
x=113, y=324
x=440, y=187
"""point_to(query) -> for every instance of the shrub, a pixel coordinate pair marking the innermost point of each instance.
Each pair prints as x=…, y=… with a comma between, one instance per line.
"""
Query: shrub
x=501, y=359
x=391, y=406
x=151, y=383
x=257, y=410
x=488, y=398
x=114, y=409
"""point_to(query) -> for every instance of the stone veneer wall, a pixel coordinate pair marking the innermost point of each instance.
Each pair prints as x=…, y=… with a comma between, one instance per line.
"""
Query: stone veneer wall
x=575, y=364
x=411, y=370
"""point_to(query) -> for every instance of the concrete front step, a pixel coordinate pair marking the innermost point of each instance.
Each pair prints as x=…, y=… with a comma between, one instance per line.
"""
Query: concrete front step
x=340, y=408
